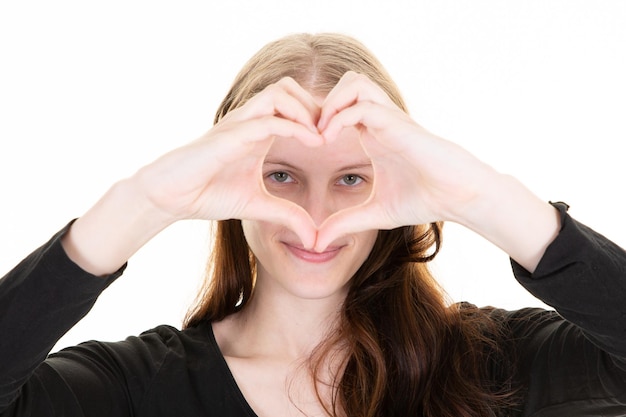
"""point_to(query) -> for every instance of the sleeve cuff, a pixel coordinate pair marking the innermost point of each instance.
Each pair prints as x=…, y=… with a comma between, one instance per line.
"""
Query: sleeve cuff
x=56, y=261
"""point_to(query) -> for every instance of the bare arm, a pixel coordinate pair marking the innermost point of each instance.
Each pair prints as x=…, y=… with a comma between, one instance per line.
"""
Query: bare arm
x=215, y=177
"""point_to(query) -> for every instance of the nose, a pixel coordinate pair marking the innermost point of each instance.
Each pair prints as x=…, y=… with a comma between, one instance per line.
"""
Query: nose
x=319, y=203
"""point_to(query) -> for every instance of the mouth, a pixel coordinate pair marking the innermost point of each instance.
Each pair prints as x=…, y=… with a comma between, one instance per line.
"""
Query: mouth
x=312, y=256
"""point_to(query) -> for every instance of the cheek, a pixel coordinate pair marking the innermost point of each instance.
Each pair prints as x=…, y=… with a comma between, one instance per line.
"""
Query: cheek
x=366, y=243
x=254, y=234
x=260, y=236
x=370, y=237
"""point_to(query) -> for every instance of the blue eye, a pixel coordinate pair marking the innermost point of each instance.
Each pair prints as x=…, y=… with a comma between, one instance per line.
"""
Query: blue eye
x=351, y=179
x=280, y=176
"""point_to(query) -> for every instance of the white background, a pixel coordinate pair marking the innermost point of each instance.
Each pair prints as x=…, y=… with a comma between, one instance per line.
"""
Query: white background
x=91, y=91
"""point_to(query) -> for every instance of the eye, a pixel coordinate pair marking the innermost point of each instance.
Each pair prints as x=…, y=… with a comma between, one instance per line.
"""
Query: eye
x=351, y=179
x=281, y=176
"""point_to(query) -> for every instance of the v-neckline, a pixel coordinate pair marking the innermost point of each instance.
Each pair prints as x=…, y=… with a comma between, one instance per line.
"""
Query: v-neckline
x=232, y=383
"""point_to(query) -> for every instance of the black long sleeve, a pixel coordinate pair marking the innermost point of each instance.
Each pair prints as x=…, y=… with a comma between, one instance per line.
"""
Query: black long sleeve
x=40, y=300
x=583, y=276
x=572, y=367
x=162, y=372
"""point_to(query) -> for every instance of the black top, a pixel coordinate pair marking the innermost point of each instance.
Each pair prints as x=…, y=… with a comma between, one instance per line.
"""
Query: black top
x=573, y=367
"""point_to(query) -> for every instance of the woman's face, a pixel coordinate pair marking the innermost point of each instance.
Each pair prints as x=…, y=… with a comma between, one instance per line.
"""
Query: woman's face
x=323, y=181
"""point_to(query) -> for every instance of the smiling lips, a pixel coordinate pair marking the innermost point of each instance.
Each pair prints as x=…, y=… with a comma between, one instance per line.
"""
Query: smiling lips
x=311, y=256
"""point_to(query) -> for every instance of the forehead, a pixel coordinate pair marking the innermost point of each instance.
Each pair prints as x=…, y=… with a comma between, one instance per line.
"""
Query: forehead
x=346, y=150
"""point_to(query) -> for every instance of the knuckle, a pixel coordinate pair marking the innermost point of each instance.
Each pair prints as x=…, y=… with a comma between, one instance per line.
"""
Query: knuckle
x=355, y=76
x=286, y=81
x=362, y=78
x=272, y=88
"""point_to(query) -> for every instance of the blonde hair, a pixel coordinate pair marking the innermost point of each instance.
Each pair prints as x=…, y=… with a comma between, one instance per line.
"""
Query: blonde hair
x=316, y=62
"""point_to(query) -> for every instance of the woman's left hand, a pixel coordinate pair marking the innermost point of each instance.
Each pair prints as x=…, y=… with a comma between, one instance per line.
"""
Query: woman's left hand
x=421, y=178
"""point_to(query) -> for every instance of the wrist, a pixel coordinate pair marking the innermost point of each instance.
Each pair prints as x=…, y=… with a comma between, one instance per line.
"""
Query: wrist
x=110, y=232
x=513, y=218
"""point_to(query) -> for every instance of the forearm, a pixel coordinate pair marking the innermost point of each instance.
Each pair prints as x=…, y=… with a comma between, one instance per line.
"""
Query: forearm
x=513, y=218
x=120, y=223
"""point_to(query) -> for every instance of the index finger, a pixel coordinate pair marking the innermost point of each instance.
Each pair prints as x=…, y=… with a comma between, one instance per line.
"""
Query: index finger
x=351, y=88
x=285, y=98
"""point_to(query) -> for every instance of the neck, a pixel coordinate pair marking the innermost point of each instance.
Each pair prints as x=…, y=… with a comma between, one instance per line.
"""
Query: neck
x=276, y=324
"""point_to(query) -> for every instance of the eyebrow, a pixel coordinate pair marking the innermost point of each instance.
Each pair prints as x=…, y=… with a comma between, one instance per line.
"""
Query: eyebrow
x=356, y=167
x=280, y=162
x=351, y=167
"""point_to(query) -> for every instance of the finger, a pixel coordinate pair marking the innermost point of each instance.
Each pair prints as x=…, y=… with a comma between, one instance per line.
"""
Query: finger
x=351, y=220
x=284, y=212
x=351, y=88
x=270, y=126
x=285, y=98
x=371, y=115
x=274, y=101
x=295, y=89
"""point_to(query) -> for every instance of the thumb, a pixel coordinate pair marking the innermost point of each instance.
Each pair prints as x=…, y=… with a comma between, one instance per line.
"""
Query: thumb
x=350, y=220
x=295, y=218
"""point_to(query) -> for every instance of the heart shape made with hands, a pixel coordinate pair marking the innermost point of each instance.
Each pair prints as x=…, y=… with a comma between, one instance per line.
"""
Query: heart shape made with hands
x=329, y=182
x=338, y=183
x=366, y=137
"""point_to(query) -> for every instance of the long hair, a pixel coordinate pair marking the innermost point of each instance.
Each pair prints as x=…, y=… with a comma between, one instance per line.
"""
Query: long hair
x=407, y=353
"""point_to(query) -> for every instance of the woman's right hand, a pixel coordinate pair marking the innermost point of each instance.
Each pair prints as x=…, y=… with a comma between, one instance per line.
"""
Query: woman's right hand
x=216, y=177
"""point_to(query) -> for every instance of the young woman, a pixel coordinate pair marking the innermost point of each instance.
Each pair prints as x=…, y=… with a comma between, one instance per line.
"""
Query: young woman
x=319, y=301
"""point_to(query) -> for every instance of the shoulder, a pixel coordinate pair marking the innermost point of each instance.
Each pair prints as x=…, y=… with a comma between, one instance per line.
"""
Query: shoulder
x=162, y=371
x=557, y=366
x=510, y=324
x=172, y=337
x=165, y=340
x=147, y=352
x=164, y=354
